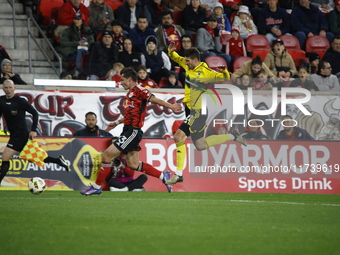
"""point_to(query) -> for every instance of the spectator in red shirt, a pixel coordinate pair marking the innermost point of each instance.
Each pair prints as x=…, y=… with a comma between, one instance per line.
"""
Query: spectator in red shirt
x=143, y=78
x=235, y=46
x=66, y=13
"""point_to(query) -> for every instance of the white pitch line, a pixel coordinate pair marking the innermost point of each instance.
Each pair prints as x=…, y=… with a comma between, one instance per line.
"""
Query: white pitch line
x=177, y=199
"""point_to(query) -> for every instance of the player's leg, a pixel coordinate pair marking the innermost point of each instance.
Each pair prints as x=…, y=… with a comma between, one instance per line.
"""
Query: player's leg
x=61, y=161
x=218, y=139
x=6, y=156
x=132, y=160
x=108, y=155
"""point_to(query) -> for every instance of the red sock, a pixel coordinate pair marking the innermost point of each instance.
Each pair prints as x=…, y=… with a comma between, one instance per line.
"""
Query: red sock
x=103, y=173
x=150, y=170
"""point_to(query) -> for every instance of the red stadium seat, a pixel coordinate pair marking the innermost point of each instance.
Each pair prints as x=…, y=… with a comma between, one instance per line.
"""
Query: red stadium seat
x=215, y=61
x=193, y=38
x=45, y=9
x=317, y=44
x=299, y=61
x=99, y=36
x=261, y=52
x=239, y=62
x=297, y=54
x=177, y=17
x=291, y=42
x=257, y=42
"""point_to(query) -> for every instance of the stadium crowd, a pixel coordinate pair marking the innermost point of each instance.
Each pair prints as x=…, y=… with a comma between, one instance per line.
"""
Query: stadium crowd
x=250, y=37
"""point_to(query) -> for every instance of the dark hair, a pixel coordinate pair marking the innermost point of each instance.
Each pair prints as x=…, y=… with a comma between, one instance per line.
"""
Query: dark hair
x=141, y=67
x=256, y=61
x=321, y=65
x=91, y=113
x=129, y=72
x=337, y=37
x=164, y=13
x=261, y=71
x=116, y=22
x=303, y=66
x=287, y=116
x=186, y=36
x=193, y=53
x=142, y=17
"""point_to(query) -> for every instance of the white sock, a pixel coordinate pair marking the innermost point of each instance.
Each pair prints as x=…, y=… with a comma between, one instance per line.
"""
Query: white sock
x=161, y=176
x=116, y=189
x=96, y=186
x=179, y=172
x=232, y=137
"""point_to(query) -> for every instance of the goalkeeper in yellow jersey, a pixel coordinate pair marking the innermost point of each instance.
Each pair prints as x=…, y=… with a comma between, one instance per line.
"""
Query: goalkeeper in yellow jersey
x=194, y=124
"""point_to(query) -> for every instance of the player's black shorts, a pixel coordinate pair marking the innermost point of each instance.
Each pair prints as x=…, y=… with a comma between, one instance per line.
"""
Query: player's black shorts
x=18, y=140
x=194, y=124
x=129, y=139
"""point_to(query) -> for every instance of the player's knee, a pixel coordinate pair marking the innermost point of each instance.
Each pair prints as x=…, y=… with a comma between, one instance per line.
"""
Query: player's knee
x=106, y=156
x=178, y=137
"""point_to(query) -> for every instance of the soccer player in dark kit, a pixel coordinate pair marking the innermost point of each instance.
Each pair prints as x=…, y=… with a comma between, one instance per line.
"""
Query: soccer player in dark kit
x=14, y=109
x=128, y=142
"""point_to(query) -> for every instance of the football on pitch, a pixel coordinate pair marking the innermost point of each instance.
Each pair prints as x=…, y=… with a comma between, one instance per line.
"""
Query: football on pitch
x=36, y=185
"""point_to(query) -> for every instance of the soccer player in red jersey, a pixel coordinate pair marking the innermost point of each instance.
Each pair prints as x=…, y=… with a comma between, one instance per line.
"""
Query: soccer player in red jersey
x=128, y=142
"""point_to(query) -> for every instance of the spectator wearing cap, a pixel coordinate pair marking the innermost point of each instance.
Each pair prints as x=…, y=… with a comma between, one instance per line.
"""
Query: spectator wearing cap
x=117, y=33
x=7, y=73
x=208, y=41
x=244, y=22
x=334, y=18
x=332, y=56
x=75, y=41
x=100, y=16
x=307, y=20
x=314, y=59
x=223, y=22
x=324, y=79
x=103, y=55
x=193, y=17
x=279, y=61
x=273, y=21
x=168, y=32
x=67, y=12
x=235, y=45
x=156, y=61
x=129, y=13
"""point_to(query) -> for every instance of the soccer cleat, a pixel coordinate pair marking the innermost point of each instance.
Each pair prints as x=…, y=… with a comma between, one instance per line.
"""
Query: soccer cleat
x=166, y=177
x=174, y=179
x=64, y=163
x=238, y=137
x=91, y=191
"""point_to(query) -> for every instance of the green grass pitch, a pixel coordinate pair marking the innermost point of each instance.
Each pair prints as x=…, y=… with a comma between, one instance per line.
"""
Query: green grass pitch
x=150, y=223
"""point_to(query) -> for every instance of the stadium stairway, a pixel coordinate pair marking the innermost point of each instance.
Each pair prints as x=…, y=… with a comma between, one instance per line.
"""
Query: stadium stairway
x=41, y=69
